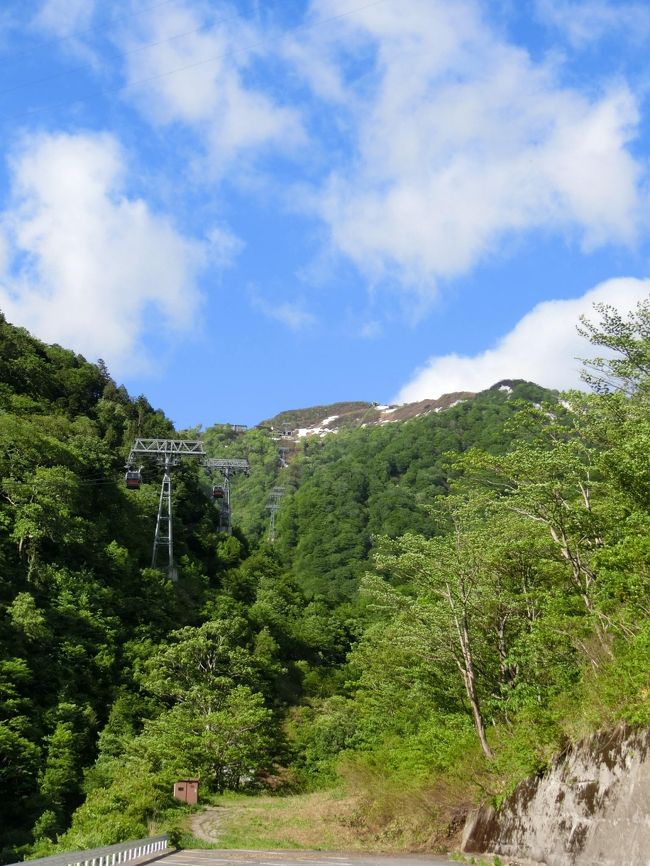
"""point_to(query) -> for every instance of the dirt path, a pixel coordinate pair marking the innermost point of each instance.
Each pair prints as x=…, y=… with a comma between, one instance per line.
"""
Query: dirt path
x=206, y=825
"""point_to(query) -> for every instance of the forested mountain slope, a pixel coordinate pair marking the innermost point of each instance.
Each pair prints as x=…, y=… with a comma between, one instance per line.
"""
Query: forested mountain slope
x=81, y=614
x=448, y=601
x=343, y=490
x=71, y=590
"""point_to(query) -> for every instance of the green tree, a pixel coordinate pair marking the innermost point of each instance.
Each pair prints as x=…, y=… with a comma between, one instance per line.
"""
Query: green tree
x=224, y=742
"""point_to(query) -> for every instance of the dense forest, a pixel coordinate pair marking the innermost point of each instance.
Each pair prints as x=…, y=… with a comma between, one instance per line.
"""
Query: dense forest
x=449, y=600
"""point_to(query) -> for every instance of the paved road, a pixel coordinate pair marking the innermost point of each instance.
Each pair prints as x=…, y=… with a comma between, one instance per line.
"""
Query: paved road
x=215, y=857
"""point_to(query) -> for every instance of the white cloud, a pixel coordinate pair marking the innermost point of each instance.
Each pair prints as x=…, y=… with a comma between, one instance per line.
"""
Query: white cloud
x=65, y=18
x=171, y=83
x=461, y=140
x=224, y=246
x=542, y=347
x=371, y=330
x=89, y=266
x=9, y=24
x=582, y=23
x=4, y=257
x=291, y=315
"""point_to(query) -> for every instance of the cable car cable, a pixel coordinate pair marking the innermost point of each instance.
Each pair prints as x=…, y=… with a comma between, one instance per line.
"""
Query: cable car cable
x=169, y=72
x=116, y=56
x=44, y=43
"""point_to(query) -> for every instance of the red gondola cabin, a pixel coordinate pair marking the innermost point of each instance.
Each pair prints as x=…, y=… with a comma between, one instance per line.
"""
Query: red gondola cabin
x=133, y=479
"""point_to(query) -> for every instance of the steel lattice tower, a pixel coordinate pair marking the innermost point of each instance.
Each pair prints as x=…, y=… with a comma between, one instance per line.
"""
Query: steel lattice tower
x=227, y=468
x=273, y=506
x=168, y=453
x=164, y=535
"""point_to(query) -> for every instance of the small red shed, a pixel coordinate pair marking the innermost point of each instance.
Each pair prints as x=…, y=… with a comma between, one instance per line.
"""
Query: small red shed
x=187, y=790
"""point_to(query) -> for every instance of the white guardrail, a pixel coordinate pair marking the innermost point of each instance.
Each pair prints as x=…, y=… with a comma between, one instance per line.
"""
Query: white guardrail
x=111, y=855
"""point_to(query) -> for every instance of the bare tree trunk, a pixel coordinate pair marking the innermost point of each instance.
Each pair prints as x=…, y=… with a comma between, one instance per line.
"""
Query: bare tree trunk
x=504, y=667
x=469, y=680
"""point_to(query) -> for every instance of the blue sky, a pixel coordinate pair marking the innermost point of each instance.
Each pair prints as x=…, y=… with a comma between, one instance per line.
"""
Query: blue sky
x=252, y=206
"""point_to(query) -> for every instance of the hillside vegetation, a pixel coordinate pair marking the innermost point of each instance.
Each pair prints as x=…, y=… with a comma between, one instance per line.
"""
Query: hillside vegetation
x=449, y=601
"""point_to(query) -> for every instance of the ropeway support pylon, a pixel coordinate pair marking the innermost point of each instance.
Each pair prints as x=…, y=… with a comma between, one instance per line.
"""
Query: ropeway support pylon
x=164, y=535
x=168, y=453
x=273, y=505
x=227, y=468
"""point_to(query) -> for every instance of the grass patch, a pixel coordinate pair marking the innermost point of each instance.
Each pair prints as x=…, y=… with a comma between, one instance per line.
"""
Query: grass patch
x=319, y=821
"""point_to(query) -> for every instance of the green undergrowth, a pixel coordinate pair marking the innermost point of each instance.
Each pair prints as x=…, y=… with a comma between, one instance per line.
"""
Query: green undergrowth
x=413, y=793
x=403, y=797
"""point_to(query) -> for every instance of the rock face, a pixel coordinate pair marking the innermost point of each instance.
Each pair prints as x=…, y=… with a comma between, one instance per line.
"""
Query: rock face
x=590, y=808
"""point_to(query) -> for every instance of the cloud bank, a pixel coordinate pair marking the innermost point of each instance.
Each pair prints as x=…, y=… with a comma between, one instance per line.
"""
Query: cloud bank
x=459, y=141
x=435, y=142
x=542, y=347
x=443, y=140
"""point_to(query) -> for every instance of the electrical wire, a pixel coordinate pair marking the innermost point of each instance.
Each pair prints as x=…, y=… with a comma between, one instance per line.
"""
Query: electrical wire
x=170, y=72
x=44, y=43
x=97, y=480
x=118, y=55
x=45, y=483
x=258, y=44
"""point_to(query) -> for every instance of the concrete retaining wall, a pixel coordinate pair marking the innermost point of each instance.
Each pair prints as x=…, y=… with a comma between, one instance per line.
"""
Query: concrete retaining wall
x=591, y=808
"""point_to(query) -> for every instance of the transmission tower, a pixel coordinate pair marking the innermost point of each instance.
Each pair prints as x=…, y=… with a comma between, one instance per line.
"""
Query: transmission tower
x=168, y=453
x=273, y=505
x=227, y=468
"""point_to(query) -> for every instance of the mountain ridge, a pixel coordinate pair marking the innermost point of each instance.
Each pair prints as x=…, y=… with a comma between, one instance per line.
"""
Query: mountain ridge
x=333, y=417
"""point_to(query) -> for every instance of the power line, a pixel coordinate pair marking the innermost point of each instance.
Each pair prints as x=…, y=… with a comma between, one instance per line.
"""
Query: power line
x=45, y=482
x=176, y=70
x=256, y=45
x=44, y=43
x=116, y=56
